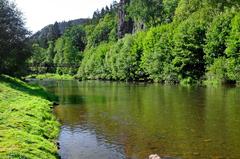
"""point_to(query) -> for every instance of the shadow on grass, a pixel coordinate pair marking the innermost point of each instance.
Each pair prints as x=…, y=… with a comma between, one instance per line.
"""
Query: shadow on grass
x=29, y=89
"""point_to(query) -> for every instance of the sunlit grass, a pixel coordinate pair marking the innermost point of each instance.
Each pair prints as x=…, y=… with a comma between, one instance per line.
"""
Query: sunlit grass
x=51, y=76
x=28, y=129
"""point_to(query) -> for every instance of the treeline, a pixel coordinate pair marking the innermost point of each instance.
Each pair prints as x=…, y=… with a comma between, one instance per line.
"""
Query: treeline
x=171, y=41
x=67, y=51
x=14, y=48
x=54, y=31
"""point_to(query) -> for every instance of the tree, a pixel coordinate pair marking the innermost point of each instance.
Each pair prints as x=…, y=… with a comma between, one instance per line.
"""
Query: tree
x=68, y=50
x=149, y=12
x=50, y=53
x=189, y=40
x=14, y=50
x=233, y=49
x=128, y=58
x=233, y=45
x=158, y=46
x=103, y=31
x=77, y=35
x=216, y=37
x=37, y=59
x=186, y=8
x=169, y=10
x=54, y=32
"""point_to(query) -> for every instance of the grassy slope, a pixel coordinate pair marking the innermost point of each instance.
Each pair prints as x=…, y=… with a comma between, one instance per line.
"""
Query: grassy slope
x=28, y=128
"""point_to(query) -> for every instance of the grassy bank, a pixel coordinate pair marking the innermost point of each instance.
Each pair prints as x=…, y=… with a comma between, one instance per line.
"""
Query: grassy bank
x=51, y=76
x=28, y=129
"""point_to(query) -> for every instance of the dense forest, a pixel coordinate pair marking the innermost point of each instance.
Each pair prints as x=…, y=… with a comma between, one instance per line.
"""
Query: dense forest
x=169, y=41
x=54, y=31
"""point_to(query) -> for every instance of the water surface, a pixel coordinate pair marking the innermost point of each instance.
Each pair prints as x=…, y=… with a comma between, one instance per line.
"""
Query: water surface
x=110, y=120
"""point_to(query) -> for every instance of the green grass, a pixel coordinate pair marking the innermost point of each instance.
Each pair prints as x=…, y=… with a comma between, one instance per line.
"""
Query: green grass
x=51, y=76
x=28, y=129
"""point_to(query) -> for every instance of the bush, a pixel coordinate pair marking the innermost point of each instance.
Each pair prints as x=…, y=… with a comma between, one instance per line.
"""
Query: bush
x=217, y=72
x=224, y=70
x=14, y=50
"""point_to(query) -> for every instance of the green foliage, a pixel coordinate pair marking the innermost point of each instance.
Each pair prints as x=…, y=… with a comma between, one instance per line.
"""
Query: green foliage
x=157, y=56
x=38, y=54
x=28, y=128
x=186, y=8
x=223, y=4
x=50, y=54
x=59, y=49
x=169, y=10
x=185, y=41
x=67, y=56
x=189, y=40
x=97, y=15
x=93, y=64
x=149, y=12
x=216, y=37
x=77, y=35
x=222, y=49
x=68, y=50
x=119, y=61
x=111, y=60
x=127, y=58
x=152, y=13
x=104, y=31
x=12, y=40
x=233, y=69
x=53, y=31
x=217, y=72
x=233, y=49
x=41, y=60
x=37, y=59
x=176, y=52
x=224, y=70
x=233, y=44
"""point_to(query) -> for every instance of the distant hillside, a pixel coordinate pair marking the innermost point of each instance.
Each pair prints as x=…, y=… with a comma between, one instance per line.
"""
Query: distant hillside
x=54, y=31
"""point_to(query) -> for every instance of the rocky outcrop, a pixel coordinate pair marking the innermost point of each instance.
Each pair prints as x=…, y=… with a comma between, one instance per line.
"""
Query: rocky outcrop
x=125, y=25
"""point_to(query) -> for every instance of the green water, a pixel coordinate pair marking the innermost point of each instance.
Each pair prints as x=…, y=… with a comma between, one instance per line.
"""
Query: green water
x=109, y=120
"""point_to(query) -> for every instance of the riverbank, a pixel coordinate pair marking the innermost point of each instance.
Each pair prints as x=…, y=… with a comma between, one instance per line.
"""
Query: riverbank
x=28, y=129
x=51, y=76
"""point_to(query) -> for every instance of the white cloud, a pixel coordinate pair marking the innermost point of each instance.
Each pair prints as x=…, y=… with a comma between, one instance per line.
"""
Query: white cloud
x=39, y=13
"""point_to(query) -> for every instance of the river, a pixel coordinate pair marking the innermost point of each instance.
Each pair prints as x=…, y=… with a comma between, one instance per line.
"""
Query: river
x=114, y=120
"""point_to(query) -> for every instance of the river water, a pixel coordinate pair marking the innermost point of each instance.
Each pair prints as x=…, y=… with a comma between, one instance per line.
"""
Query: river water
x=111, y=120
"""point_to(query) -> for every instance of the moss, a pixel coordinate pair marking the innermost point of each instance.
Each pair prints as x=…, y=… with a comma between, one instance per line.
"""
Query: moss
x=28, y=129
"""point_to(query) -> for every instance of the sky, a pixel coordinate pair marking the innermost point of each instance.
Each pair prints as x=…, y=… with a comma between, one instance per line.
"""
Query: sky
x=39, y=13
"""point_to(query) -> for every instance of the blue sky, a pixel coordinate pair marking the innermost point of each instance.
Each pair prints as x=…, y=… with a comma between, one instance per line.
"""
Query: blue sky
x=39, y=13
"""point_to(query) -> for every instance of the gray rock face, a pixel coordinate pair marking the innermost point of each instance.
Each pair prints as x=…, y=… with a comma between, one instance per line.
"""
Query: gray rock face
x=124, y=25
